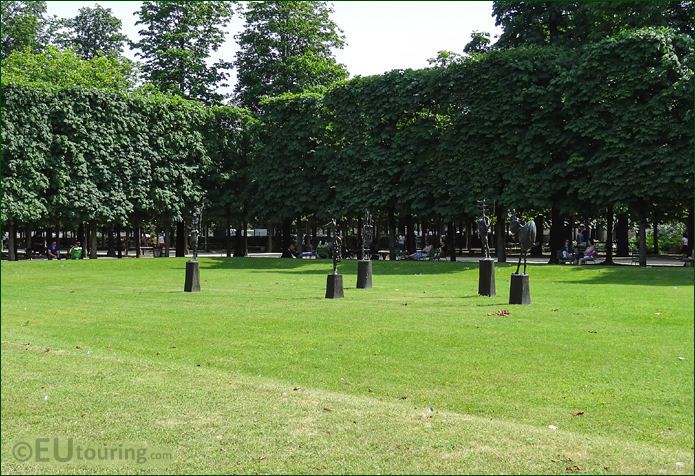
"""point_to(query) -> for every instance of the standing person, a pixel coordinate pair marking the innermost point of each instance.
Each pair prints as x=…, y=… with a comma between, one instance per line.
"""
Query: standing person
x=401, y=242
x=162, y=244
x=684, y=245
x=581, y=238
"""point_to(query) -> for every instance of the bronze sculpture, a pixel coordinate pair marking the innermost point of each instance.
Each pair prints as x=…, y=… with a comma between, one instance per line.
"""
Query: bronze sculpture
x=337, y=244
x=367, y=236
x=527, y=237
x=484, y=229
x=195, y=230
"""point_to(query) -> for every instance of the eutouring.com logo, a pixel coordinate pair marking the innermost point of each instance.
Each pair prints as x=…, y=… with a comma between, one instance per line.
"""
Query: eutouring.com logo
x=66, y=450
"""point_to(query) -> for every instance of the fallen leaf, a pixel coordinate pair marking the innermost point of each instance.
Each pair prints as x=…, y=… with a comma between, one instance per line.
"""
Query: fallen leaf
x=77, y=347
x=370, y=390
x=158, y=353
x=573, y=468
x=503, y=312
x=261, y=458
x=402, y=398
x=578, y=413
x=327, y=409
x=591, y=332
x=46, y=349
x=297, y=389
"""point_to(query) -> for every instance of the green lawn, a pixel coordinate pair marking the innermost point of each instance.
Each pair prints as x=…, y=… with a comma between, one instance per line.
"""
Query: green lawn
x=259, y=373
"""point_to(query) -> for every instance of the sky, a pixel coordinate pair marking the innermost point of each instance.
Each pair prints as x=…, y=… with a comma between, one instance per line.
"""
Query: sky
x=380, y=36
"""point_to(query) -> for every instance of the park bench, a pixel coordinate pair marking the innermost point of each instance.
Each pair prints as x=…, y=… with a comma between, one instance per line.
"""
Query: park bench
x=688, y=261
x=562, y=260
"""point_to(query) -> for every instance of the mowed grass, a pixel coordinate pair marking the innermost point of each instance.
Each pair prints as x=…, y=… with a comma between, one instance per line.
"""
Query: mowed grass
x=258, y=373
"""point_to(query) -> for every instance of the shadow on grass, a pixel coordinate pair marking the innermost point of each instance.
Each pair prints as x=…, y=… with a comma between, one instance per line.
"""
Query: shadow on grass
x=324, y=266
x=632, y=275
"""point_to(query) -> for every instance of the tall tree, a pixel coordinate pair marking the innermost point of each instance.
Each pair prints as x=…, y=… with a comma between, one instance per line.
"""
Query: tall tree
x=480, y=43
x=286, y=47
x=92, y=32
x=575, y=23
x=177, y=41
x=21, y=24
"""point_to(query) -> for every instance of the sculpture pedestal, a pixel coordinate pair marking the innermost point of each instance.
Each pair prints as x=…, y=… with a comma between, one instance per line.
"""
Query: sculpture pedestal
x=519, y=292
x=486, y=277
x=334, y=286
x=192, y=284
x=364, y=274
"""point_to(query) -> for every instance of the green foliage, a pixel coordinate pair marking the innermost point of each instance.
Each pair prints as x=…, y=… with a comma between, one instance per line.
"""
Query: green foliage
x=176, y=42
x=480, y=43
x=628, y=103
x=21, y=23
x=577, y=23
x=94, y=31
x=670, y=236
x=444, y=58
x=286, y=47
x=78, y=155
x=66, y=69
x=290, y=165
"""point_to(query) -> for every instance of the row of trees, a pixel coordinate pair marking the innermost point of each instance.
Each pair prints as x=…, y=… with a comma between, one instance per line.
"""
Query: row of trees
x=554, y=132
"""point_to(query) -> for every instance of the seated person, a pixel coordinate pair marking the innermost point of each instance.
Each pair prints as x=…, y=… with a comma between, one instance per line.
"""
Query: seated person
x=424, y=253
x=322, y=250
x=308, y=252
x=293, y=251
x=75, y=251
x=589, y=253
x=567, y=251
x=52, y=252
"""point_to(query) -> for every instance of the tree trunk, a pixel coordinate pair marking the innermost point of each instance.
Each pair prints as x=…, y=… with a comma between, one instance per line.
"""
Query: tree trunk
x=271, y=238
x=469, y=236
x=111, y=250
x=93, y=240
x=180, y=239
x=27, y=243
x=689, y=229
x=245, y=237
x=80, y=238
x=621, y=238
x=655, y=235
x=500, y=237
x=119, y=242
x=642, y=238
x=451, y=240
x=12, y=242
x=538, y=246
x=410, y=244
x=286, y=237
x=228, y=233
x=392, y=233
x=609, y=236
x=137, y=235
x=557, y=233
